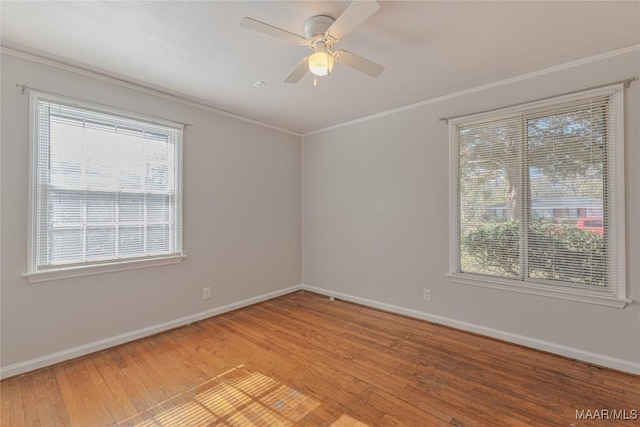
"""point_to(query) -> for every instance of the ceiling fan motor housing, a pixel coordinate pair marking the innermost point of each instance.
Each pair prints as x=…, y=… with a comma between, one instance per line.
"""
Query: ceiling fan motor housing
x=316, y=26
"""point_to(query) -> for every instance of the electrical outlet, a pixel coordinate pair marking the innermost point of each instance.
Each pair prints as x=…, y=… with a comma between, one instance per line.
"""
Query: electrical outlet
x=427, y=294
x=206, y=294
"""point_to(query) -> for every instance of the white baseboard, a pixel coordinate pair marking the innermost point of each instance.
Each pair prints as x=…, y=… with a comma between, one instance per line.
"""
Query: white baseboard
x=573, y=353
x=50, y=359
x=61, y=356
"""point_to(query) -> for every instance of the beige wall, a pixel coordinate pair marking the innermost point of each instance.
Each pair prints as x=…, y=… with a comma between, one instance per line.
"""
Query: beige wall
x=361, y=211
x=241, y=226
x=376, y=223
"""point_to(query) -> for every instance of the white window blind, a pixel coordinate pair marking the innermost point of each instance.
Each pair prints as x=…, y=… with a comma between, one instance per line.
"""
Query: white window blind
x=106, y=185
x=538, y=197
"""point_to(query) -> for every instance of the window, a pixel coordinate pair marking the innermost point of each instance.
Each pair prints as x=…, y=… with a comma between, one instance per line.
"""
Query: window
x=554, y=171
x=105, y=189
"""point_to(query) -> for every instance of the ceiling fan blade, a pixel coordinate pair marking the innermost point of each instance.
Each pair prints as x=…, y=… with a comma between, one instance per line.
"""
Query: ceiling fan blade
x=358, y=63
x=354, y=15
x=298, y=72
x=272, y=31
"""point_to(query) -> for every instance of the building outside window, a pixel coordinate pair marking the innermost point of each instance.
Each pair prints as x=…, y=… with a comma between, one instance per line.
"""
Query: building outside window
x=527, y=185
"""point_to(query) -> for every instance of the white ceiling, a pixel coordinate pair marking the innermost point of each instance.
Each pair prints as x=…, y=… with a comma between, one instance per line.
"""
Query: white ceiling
x=199, y=51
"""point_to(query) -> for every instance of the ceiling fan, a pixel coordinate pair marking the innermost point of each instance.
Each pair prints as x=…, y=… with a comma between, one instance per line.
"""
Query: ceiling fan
x=322, y=33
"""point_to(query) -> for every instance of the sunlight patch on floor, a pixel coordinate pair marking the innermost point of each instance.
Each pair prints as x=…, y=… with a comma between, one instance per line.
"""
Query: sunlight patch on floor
x=238, y=397
x=347, y=421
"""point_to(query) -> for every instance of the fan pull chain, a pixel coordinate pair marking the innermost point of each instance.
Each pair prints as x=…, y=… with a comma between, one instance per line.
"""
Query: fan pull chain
x=315, y=82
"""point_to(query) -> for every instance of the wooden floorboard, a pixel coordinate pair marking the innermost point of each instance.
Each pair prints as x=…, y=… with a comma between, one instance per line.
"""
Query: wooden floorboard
x=303, y=360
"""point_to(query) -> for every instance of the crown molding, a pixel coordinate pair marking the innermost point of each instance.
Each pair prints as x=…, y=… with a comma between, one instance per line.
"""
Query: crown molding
x=140, y=86
x=504, y=82
x=120, y=80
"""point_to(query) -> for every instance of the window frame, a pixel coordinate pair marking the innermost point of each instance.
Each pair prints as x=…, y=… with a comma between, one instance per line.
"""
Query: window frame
x=34, y=273
x=615, y=186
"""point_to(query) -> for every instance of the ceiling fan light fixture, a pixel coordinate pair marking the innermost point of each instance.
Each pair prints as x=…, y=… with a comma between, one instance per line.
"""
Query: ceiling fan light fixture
x=322, y=32
x=321, y=63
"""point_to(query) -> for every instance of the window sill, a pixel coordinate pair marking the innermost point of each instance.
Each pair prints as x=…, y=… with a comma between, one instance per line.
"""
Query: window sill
x=569, y=294
x=89, y=270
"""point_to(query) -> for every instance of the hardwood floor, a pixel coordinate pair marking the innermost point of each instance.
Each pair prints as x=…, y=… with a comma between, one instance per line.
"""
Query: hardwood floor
x=302, y=360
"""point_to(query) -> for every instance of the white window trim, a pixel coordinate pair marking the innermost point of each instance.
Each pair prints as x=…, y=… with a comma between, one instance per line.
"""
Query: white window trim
x=616, y=157
x=33, y=275
x=540, y=289
x=90, y=270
